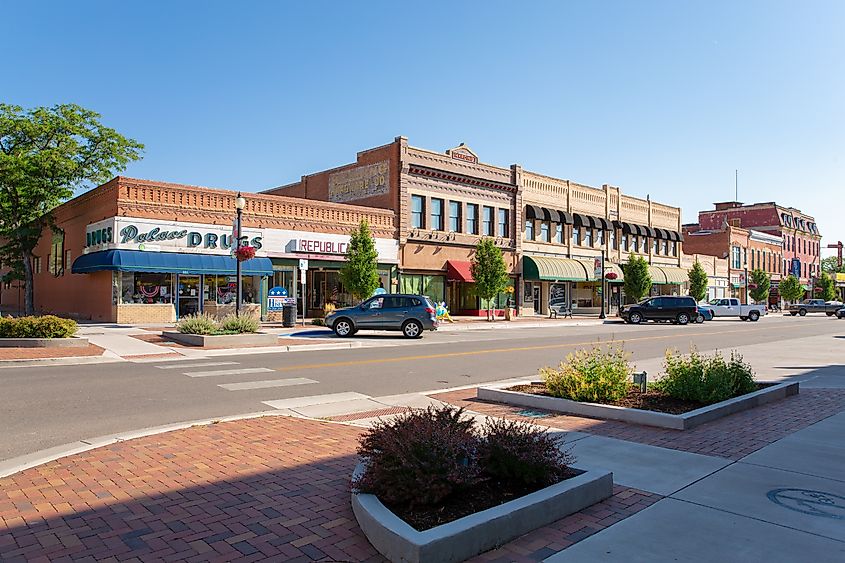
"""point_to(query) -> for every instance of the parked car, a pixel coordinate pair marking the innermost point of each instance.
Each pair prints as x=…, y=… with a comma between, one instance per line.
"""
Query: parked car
x=705, y=313
x=815, y=306
x=840, y=313
x=675, y=309
x=731, y=307
x=411, y=314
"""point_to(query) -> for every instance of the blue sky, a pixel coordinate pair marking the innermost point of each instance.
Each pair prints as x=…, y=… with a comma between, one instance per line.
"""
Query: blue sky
x=660, y=98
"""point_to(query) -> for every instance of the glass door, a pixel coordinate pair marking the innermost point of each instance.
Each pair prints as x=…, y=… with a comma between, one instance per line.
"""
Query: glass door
x=188, y=295
x=537, y=298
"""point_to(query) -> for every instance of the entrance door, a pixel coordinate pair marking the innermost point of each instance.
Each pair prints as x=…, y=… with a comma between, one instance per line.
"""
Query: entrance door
x=536, y=294
x=188, y=295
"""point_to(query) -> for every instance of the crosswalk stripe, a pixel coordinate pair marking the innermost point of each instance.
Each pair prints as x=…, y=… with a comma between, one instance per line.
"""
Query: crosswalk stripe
x=226, y=372
x=179, y=365
x=267, y=383
x=315, y=400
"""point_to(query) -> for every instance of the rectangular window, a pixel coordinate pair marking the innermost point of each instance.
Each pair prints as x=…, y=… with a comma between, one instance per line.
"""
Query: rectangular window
x=37, y=265
x=576, y=235
x=588, y=237
x=529, y=229
x=600, y=237
x=624, y=242
x=656, y=245
x=736, y=257
x=614, y=242
x=674, y=248
x=664, y=247
x=472, y=218
x=436, y=214
x=57, y=249
x=559, y=233
x=744, y=256
x=145, y=288
x=635, y=243
x=487, y=221
x=544, y=231
x=503, y=223
x=455, y=216
x=417, y=211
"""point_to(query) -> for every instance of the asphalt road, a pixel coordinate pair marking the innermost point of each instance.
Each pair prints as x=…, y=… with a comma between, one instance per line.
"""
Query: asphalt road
x=42, y=407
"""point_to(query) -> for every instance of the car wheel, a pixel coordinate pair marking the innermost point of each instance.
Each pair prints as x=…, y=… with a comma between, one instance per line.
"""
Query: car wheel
x=682, y=318
x=829, y=314
x=412, y=329
x=754, y=316
x=343, y=328
x=699, y=319
x=635, y=318
x=802, y=312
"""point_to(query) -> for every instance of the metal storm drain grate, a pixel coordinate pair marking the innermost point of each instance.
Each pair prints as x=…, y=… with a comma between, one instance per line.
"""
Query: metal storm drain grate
x=533, y=414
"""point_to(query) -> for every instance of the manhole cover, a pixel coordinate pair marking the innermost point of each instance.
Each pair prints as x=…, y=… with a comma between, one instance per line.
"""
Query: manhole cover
x=806, y=501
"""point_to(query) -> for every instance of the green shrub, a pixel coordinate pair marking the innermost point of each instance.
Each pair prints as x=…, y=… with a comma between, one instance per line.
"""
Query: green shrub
x=197, y=324
x=705, y=379
x=521, y=454
x=239, y=325
x=47, y=326
x=599, y=375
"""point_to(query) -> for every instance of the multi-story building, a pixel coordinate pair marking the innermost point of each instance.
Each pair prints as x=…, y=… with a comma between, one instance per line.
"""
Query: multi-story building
x=744, y=249
x=551, y=231
x=798, y=234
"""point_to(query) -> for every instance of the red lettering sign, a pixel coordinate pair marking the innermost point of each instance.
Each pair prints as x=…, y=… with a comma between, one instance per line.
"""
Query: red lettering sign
x=321, y=246
x=464, y=156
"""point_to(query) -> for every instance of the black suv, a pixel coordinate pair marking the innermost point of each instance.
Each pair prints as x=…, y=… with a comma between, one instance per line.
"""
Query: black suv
x=679, y=310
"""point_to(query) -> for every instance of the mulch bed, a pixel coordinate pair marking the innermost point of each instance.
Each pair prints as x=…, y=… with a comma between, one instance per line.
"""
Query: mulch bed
x=649, y=401
x=481, y=497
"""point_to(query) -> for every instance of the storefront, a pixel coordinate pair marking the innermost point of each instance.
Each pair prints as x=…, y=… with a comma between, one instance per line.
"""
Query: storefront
x=668, y=280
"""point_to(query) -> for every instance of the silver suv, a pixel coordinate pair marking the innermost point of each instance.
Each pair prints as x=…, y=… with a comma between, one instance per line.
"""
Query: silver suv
x=412, y=314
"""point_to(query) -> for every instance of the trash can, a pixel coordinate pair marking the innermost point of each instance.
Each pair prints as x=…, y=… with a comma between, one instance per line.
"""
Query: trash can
x=289, y=316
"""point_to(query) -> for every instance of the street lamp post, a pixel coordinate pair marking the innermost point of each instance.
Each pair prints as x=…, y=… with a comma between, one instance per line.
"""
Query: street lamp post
x=240, y=203
x=603, y=295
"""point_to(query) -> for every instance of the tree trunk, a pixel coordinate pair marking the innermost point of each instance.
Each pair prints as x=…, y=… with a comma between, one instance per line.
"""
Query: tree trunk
x=28, y=283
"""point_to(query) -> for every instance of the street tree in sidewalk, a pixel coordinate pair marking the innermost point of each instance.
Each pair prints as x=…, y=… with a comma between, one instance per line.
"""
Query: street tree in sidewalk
x=489, y=272
x=46, y=154
x=637, y=281
x=359, y=273
x=790, y=289
x=697, y=282
x=759, y=285
x=828, y=287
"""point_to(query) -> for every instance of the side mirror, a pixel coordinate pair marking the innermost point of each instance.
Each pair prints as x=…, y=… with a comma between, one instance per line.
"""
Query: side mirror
x=362, y=306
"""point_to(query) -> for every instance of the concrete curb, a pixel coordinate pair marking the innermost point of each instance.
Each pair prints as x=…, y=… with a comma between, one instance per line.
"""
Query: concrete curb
x=479, y=532
x=636, y=416
x=71, y=342
x=69, y=361
x=228, y=341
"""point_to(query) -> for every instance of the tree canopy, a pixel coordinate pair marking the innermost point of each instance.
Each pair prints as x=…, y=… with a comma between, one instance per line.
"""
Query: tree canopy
x=790, y=289
x=831, y=265
x=45, y=155
x=637, y=281
x=759, y=285
x=489, y=270
x=828, y=287
x=359, y=274
x=697, y=282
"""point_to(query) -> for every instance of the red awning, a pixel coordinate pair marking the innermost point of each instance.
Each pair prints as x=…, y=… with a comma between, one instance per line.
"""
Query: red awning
x=459, y=271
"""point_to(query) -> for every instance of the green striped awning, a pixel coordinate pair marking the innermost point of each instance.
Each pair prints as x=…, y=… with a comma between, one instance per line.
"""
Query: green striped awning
x=547, y=268
x=663, y=275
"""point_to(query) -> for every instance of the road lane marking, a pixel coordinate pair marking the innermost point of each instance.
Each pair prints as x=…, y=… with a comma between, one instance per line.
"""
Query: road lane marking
x=496, y=351
x=178, y=365
x=266, y=384
x=226, y=372
x=315, y=400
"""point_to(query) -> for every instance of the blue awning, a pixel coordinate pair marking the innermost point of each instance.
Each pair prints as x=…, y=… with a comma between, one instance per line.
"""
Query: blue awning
x=173, y=262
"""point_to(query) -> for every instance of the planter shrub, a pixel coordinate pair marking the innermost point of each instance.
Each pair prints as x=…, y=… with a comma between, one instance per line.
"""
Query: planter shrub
x=203, y=325
x=239, y=325
x=46, y=326
x=705, y=379
x=599, y=375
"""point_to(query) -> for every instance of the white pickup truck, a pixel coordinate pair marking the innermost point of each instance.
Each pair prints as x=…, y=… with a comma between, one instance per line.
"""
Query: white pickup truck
x=732, y=308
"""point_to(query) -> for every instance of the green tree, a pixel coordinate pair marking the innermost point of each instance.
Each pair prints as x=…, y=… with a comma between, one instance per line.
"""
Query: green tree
x=790, y=289
x=828, y=286
x=489, y=272
x=359, y=273
x=761, y=283
x=697, y=282
x=45, y=155
x=831, y=265
x=637, y=278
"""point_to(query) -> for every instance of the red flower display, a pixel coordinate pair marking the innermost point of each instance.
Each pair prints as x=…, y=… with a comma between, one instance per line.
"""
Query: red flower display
x=245, y=253
x=611, y=276
x=818, y=290
x=752, y=286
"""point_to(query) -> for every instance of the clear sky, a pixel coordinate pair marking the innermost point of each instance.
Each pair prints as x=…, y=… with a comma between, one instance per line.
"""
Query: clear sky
x=660, y=98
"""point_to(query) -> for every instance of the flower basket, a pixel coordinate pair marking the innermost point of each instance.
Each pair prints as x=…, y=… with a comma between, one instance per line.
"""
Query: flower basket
x=610, y=276
x=245, y=253
x=818, y=290
x=752, y=286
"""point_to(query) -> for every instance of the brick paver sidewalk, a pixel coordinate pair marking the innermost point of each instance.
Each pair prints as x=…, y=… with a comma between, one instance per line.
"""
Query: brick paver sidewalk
x=273, y=488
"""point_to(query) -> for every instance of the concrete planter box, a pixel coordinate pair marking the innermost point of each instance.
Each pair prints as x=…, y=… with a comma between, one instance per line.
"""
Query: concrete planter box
x=72, y=342
x=649, y=418
x=479, y=532
x=224, y=340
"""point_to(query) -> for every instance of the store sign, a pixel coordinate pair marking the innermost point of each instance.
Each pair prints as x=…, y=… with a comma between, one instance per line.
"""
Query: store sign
x=314, y=246
x=99, y=236
x=795, y=267
x=463, y=153
x=360, y=182
x=277, y=298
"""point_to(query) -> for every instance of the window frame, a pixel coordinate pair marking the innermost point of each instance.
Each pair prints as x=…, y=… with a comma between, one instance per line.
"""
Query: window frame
x=472, y=219
x=503, y=220
x=455, y=219
x=437, y=214
x=417, y=216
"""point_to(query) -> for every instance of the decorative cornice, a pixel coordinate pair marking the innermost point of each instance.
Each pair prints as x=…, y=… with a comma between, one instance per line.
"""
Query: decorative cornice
x=418, y=170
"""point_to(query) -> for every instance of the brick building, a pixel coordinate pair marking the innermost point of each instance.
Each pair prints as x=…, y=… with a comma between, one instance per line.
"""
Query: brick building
x=744, y=249
x=137, y=251
x=798, y=233
x=718, y=277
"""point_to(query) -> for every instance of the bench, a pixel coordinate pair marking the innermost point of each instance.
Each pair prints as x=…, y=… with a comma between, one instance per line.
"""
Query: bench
x=556, y=311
